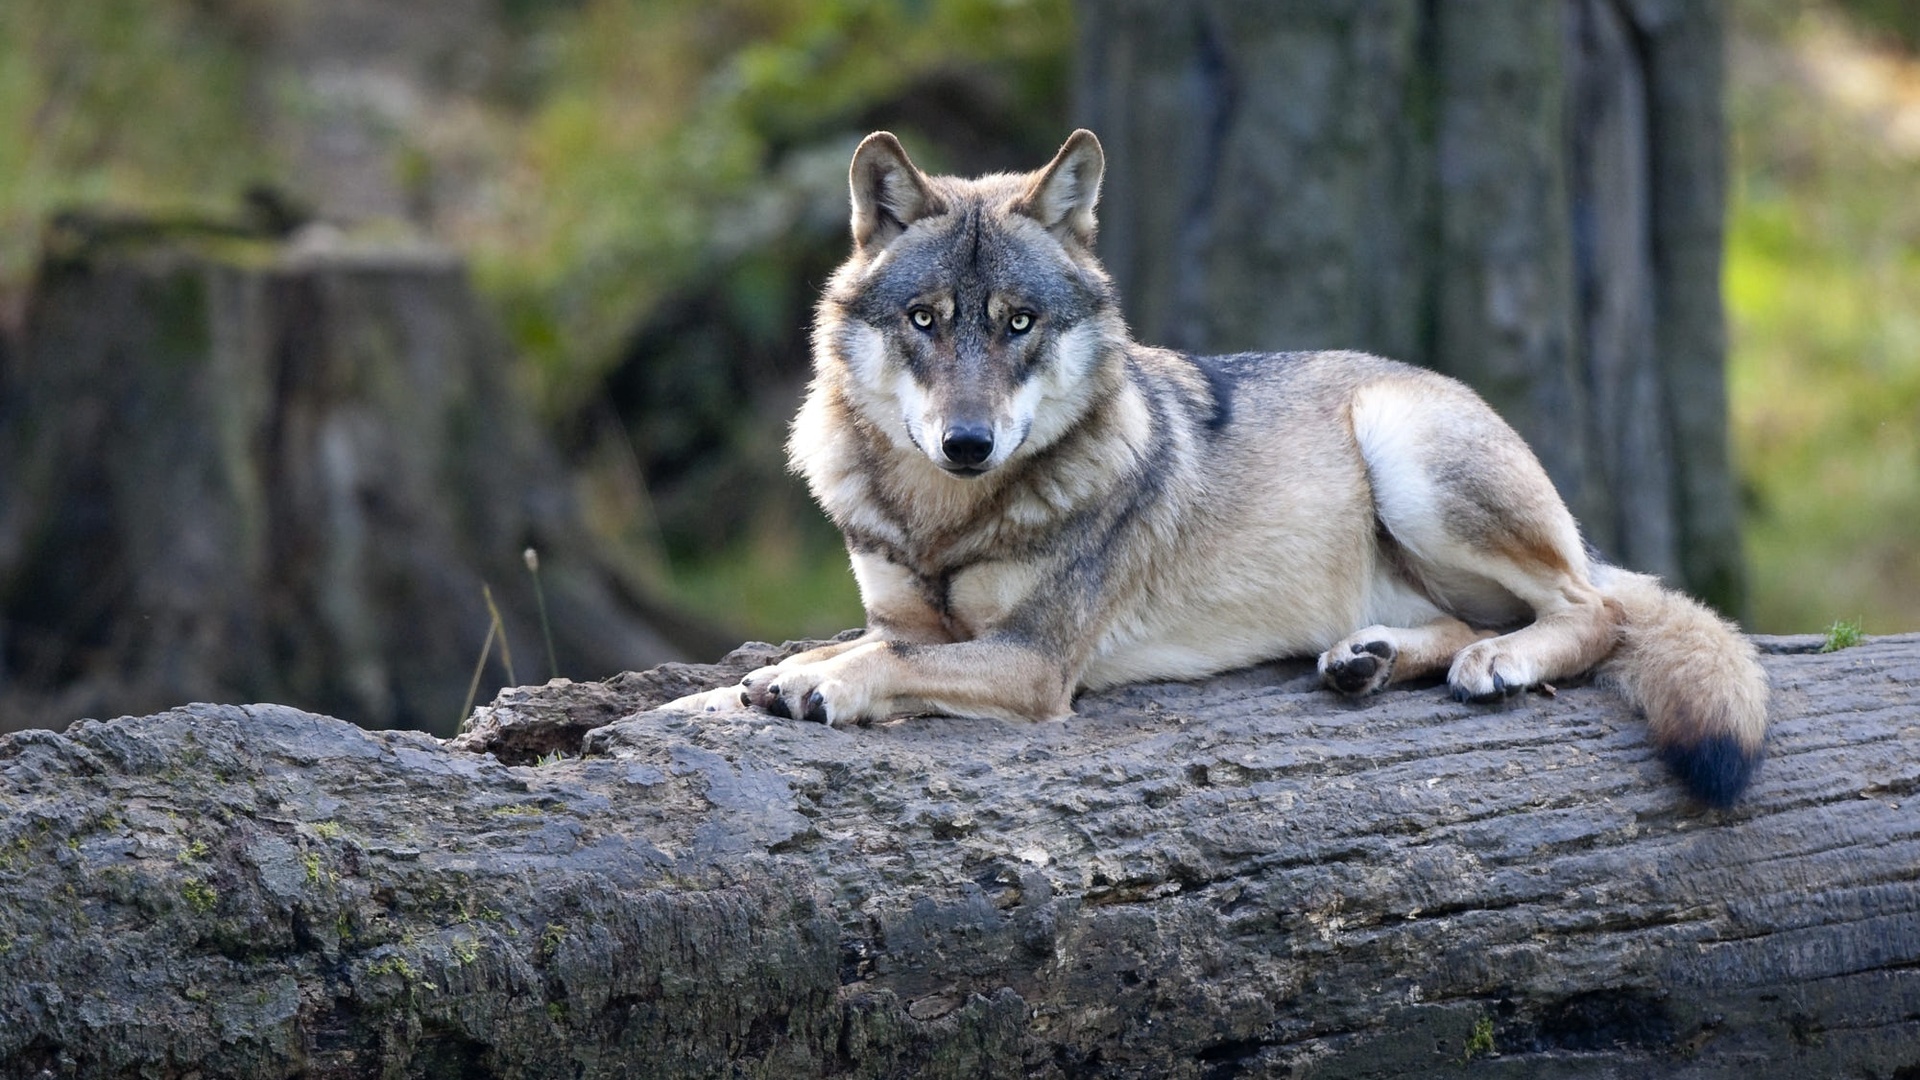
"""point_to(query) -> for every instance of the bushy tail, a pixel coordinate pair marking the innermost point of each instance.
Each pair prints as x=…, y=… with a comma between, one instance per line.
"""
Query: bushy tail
x=1697, y=678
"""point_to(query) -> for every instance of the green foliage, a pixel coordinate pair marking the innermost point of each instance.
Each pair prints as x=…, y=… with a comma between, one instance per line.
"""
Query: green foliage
x=133, y=102
x=1895, y=21
x=1480, y=1042
x=1843, y=634
x=772, y=588
x=659, y=121
x=1823, y=290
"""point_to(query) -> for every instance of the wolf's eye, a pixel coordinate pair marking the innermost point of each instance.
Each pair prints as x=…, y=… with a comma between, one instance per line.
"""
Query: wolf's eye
x=921, y=317
x=1020, y=323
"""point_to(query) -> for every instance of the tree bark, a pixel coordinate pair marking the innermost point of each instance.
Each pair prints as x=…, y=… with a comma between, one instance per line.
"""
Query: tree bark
x=1238, y=877
x=1528, y=196
x=240, y=470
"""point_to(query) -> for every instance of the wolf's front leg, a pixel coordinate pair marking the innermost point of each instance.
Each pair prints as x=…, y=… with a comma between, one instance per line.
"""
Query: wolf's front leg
x=996, y=677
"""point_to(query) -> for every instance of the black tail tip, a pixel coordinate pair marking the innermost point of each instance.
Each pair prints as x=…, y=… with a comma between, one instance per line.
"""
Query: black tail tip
x=1716, y=769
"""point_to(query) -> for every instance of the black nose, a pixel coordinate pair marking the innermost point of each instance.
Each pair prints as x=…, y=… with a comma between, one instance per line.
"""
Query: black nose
x=967, y=444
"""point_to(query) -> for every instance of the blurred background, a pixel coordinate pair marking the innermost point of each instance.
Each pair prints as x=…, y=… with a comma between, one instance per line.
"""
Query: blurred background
x=317, y=315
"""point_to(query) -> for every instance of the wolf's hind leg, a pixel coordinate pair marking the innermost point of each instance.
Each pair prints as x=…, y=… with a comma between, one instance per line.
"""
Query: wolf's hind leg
x=1483, y=527
x=1377, y=656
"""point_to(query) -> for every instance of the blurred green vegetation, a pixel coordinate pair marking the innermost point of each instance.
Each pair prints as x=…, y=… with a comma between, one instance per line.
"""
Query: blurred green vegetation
x=644, y=171
x=129, y=103
x=1823, y=294
x=679, y=169
x=1896, y=21
x=660, y=126
x=632, y=160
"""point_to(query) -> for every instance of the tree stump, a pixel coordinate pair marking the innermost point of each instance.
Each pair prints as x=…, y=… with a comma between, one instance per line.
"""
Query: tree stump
x=1241, y=877
x=239, y=470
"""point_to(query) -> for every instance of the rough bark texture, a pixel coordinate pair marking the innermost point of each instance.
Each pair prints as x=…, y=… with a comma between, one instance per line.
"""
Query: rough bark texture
x=239, y=470
x=1525, y=195
x=1237, y=878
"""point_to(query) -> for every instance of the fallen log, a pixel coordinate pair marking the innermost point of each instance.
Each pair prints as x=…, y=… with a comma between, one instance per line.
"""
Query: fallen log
x=1237, y=877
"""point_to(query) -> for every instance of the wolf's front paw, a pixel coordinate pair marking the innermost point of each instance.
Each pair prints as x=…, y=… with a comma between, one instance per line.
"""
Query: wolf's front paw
x=1358, y=666
x=753, y=690
x=807, y=692
x=1485, y=671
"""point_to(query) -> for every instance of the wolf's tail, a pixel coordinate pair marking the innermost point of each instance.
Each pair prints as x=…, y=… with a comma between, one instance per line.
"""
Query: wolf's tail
x=1697, y=678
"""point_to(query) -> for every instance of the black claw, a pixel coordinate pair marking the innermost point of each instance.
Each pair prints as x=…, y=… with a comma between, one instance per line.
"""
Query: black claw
x=744, y=699
x=777, y=705
x=816, y=708
x=1502, y=691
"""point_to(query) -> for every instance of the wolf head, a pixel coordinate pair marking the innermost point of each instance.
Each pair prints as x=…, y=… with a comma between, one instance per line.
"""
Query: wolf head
x=972, y=311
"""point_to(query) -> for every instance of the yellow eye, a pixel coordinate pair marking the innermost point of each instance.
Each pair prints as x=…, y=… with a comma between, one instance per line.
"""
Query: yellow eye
x=921, y=317
x=1020, y=323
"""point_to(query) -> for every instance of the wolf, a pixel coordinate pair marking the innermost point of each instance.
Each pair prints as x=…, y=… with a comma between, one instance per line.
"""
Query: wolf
x=1035, y=504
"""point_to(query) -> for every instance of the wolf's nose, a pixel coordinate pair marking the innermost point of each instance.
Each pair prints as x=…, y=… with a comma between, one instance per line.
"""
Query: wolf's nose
x=967, y=444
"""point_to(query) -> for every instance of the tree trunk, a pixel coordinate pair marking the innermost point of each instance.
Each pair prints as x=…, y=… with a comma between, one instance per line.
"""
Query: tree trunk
x=1528, y=196
x=241, y=471
x=1238, y=877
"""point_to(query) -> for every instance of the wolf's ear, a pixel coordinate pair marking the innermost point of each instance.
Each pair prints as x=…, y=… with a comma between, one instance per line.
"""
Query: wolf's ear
x=889, y=194
x=1063, y=196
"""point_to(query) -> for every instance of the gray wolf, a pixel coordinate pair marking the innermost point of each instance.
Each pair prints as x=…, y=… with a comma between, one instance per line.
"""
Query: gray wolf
x=1036, y=504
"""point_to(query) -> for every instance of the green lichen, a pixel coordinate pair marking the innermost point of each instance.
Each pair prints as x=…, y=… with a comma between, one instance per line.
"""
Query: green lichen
x=1480, y=1042
x=392, y=965
x=199, y=895
x=466, y=951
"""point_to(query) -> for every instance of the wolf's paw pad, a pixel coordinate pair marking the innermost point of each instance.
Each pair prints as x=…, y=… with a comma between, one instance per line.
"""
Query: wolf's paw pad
x=1359, y=667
